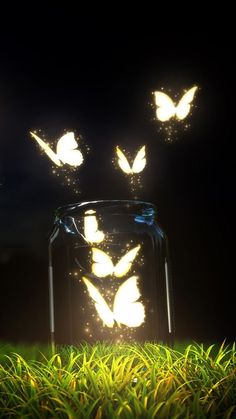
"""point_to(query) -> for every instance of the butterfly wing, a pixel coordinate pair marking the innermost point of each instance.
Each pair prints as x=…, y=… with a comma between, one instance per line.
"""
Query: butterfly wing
x=67, y=150
x=165, y=106
x=126, y=310
x=125, y=263
x=123, y=162
x=139, y=161
x=47, y=149
x=184, y=104
x=102, y=308
x=91, y=232
x=102, y=265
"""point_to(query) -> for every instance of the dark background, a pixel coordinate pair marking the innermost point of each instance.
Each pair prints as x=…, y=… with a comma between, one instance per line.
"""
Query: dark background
x=61, y=69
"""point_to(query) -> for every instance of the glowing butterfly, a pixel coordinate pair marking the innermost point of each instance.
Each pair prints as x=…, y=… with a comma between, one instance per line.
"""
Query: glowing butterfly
x=91, y=232
x=67, y=152
x=138, y=164
x=103, y=265
x=166, y=108
x=126, y=309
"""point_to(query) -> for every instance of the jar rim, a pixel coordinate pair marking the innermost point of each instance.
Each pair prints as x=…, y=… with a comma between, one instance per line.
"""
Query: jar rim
x=127, y=205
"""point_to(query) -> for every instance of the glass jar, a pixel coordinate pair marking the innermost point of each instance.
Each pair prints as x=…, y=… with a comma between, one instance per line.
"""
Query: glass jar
x=109, y=276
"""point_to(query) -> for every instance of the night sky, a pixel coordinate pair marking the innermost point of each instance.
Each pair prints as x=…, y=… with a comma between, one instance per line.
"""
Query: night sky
x=60, y=70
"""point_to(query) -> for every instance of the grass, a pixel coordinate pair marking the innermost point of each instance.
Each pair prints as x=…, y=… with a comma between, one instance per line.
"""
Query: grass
x=118, y=381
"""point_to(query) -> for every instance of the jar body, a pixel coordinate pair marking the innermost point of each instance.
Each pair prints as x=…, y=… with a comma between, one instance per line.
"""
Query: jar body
x=110, y=274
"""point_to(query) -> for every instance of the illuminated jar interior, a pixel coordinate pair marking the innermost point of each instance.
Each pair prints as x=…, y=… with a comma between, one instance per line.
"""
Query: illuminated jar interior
x=110, y=274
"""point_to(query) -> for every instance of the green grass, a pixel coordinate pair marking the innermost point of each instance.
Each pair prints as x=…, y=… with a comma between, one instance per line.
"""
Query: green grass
x=118, y=381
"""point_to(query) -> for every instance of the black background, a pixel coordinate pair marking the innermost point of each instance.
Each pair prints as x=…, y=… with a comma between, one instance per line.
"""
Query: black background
x=61, y=69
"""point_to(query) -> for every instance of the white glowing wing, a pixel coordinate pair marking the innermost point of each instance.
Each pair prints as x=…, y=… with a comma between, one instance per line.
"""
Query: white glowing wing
x=47, y=149
x=165, y=106
x=126, y=310
x=102, y=308
x=102, y=265
x=139, y=161
x=67, y=150
x=123, y=162
x=125, y=263
x=91, y=232
x=183, y=107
